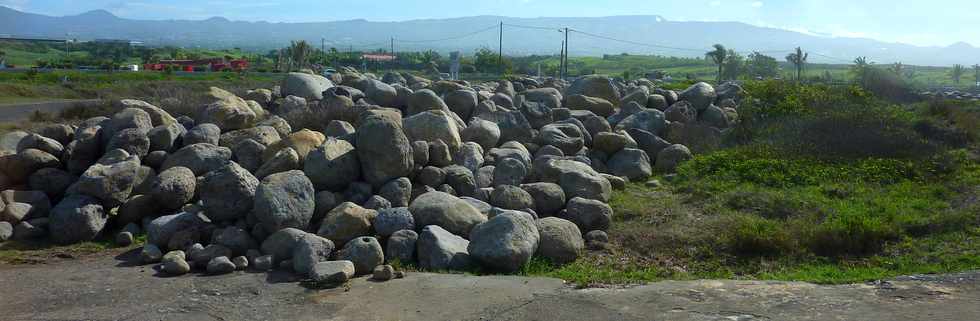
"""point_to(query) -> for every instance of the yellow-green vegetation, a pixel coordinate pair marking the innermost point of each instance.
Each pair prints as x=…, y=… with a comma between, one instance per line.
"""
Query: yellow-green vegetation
x=828, y=185
x=37, y=252
x=151, y=86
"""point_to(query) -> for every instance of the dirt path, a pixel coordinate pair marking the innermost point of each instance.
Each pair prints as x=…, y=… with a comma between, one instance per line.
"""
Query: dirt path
x=107, y=288
x=22, y=111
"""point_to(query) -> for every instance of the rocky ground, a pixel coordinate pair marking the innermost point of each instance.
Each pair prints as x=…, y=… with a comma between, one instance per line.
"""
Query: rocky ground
x=107, y=286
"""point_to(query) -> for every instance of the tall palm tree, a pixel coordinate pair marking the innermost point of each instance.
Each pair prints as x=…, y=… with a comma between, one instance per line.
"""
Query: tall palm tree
x=898, y=69
x=957, y=73
x=861, y=69
x=719, y=56
x=798, y=59
x=976, y=71
x=300, y=52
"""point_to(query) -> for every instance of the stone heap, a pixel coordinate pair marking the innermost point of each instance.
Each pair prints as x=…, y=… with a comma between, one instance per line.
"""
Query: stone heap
x=446, y=175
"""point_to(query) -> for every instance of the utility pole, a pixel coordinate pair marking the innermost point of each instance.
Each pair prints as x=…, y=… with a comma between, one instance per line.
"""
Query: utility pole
x=500, y=50
x=561, y=60
x=323, y=44
x=392, y=65
x=565, y=71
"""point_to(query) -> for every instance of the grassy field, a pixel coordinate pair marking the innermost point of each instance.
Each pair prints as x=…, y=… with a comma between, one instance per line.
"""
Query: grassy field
x=814, y=183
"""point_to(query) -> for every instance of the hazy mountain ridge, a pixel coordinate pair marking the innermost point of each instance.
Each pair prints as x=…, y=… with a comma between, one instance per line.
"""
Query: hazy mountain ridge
x=361, y=34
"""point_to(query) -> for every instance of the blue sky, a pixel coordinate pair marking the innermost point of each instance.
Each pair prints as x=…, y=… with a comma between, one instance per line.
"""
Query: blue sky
x=934, y=22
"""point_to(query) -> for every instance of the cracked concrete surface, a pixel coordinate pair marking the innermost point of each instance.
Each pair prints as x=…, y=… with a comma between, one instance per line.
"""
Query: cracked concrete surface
x=106, y=288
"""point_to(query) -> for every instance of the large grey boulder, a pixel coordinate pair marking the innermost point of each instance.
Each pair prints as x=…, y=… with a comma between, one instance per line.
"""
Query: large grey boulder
x=384, y=151
x=397, y=191
x=669, y=158
x=462, y=102
x=203, y=133
x=52, y=181
x=485, y=133
x=127, y=118
x=630, y=163
x=285, y=160
x=561, y=240
x=236, y=239
x=111, y=183
x=440, y=250
x=392, y=220
x=506, y=242
x=447, y=211
x=160, y=230
x=304, y=85
x=401, y=246
x=365, y=252
x=648, y=142
x=596, y=105
x=310, y=250
x=282, y=243
x=548, y=198
x=586, y=185
x=158, y=116
x=173, y=187
x=41, y=143
x=347, y=221
x=567, y=137
x=461, y=179
x=588, y=215
x=228, y=193
x=77, y=218
x=431, y=126
x=701, y=95
x=284, y=200
x=199, y=158
x=165, y=137
x=424, y=100
x=381, y=93
x=227, y=111
x=511, y=197
x=595, y=86
x=265, y=135
x=333, y=165
x=682, y=112
x=248, y=154
x=715, y=117
x=84, y=151
x=650, y=120
x=509, y=171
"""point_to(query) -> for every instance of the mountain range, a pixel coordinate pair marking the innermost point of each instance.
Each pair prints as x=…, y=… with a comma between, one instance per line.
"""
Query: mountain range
x=590, y=36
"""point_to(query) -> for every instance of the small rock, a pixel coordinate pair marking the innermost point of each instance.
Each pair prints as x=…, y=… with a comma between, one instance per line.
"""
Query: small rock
x=124, y=239
x=220, y=265
x=654, y=183
x=176, y=267
x=332, y=273
x=150, y=254
x=241, y=263
x=263, y=263
x=383, y=273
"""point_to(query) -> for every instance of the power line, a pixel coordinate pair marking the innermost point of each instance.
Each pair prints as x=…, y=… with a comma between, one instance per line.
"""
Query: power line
x=634, y=42
x=453, y=37
x=533, y=27
x=831, y=58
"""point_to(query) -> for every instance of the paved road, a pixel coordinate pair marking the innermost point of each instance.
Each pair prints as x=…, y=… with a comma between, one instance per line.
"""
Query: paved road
x=22, y=111
x=107, y=288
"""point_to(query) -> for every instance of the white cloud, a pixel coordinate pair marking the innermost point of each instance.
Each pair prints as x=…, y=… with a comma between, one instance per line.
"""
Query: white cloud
x=19, y=5
x=757, y=4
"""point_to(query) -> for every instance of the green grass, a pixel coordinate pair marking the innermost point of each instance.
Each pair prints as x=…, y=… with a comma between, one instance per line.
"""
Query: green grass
x=817, y=184
x=39, y=252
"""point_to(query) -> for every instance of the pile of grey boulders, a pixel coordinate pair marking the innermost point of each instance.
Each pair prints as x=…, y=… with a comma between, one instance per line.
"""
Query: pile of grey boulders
x=444, y=175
